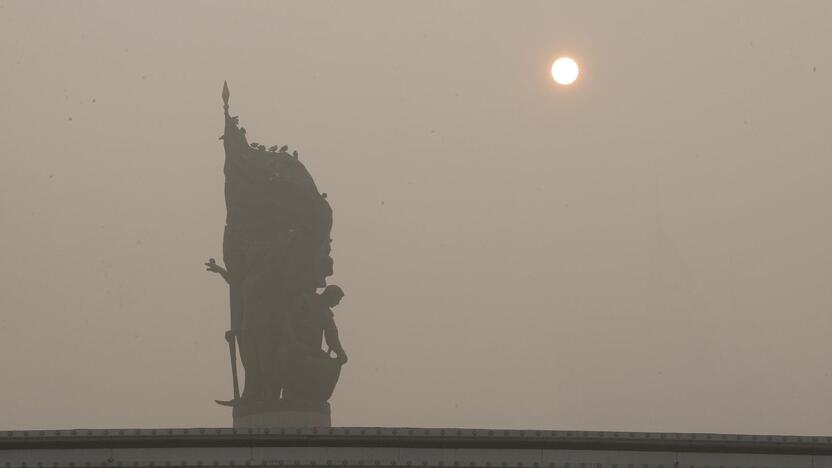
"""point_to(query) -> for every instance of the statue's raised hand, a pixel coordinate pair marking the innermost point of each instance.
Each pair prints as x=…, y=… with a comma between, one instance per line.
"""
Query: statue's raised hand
x=211, y=265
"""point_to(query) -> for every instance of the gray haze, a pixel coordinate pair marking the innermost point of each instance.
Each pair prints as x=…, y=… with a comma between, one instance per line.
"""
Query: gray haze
x=646, y=250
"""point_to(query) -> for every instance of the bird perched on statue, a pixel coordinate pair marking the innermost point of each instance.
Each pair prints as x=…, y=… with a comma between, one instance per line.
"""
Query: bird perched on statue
x=273, y=148
x=295, y=154
x=283, y=148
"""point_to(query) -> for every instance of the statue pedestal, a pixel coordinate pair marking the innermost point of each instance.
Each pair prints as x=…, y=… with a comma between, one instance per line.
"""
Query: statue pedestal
x=282, y=413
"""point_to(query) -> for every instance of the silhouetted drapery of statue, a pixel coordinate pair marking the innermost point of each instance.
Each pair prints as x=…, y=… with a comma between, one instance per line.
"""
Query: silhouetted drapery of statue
x=276, y=250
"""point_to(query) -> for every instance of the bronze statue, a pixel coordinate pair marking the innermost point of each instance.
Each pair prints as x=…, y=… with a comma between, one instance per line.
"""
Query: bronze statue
x=276, y=250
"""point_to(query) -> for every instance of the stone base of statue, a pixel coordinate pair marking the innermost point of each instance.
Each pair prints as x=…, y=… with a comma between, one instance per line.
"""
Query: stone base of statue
x=282, y=413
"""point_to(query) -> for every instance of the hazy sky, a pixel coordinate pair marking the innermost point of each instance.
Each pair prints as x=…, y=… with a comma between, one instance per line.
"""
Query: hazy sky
x=647, y=250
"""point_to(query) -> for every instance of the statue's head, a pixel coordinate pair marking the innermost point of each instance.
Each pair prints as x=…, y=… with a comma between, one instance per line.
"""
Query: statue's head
x=332, y=295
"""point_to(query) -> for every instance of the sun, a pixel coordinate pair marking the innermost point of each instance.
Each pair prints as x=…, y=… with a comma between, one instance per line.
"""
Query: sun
x=565, y=71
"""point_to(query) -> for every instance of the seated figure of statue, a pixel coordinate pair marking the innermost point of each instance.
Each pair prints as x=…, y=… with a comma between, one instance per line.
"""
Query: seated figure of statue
x=331, y=297
x=315, y=320
x=312, y=373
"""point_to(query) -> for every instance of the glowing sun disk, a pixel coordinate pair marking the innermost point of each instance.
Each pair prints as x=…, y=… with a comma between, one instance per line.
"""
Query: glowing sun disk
x=565, y=71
